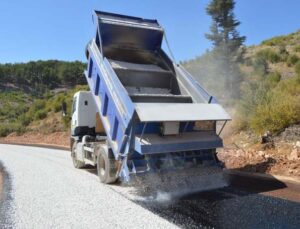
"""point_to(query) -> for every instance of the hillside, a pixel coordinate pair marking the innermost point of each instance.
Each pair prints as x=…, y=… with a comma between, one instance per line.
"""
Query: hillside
x=32, y=92
x=268, y=102
x=269, y=96
x=36, y=77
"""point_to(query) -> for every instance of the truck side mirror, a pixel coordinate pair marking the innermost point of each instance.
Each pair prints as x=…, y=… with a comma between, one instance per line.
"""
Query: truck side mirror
x=64, y=108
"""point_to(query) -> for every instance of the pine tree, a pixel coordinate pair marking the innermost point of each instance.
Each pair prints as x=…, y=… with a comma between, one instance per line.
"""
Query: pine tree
x=227, y=43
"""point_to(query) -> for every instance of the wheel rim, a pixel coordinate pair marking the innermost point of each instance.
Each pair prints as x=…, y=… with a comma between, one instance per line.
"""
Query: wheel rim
x=102, y=166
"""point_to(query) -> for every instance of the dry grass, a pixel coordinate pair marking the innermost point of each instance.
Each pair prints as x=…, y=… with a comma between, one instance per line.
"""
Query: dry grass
x=52, y=123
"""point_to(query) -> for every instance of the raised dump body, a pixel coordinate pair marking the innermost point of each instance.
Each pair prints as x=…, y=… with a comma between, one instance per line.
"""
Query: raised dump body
x=153, y=112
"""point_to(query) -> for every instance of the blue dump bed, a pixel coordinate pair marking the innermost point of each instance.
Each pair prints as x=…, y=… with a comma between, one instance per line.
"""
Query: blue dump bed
x=150, y=107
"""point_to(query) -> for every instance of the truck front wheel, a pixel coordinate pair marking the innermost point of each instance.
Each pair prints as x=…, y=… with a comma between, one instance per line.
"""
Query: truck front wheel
x=106, y=166
x=77, y=164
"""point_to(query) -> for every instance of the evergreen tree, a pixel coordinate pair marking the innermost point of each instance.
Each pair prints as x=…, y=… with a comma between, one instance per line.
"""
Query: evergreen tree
x=228, y=51
x=42, y=75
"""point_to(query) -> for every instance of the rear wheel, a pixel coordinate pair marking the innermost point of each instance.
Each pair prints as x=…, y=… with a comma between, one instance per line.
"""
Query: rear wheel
x=106, y=167
x=77, y=164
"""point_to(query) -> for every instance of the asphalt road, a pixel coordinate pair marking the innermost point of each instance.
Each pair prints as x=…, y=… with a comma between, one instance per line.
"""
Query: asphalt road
x=41, y=189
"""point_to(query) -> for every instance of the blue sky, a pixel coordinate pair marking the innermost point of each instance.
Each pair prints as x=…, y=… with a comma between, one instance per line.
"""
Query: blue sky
x=60, y=29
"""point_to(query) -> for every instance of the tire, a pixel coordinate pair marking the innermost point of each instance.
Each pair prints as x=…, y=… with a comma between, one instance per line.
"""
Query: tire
x=77, y=164
x=106, y=167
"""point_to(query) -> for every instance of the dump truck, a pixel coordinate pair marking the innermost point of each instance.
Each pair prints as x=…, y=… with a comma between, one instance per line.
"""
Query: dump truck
x=144, y=113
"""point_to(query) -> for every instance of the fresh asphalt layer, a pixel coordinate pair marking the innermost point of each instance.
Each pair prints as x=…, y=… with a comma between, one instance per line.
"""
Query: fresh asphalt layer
x=41, y=189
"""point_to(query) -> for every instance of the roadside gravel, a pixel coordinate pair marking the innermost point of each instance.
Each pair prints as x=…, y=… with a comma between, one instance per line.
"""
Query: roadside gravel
x=47, y=192
x=1, y=185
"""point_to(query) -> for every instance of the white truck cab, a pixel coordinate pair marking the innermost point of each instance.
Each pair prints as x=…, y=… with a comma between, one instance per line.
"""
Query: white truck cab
x=84, y=113
x=88, y=138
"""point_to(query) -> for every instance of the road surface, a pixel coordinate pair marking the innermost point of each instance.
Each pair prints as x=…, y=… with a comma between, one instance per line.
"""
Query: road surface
x=42, y=190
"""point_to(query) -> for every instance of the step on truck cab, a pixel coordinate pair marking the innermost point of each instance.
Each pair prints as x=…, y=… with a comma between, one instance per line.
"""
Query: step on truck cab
x=144, y=113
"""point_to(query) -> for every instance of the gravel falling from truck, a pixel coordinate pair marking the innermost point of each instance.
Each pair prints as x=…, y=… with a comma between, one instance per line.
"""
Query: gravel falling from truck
x=164, y=187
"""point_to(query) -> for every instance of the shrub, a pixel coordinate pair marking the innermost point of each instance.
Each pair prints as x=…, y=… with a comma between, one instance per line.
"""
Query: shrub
x=292, y=60
x=56, y=105
x=274, y=41
x=253, y=93
x=278, y=112
x=66, y=121
x=24, y=119
x=39, y=104
x=260, y=65
x=40, y=114
x=279, y=109
x=279, y=40
x=18, y=128
x=297, y=67
x=269, y=55
x=8, y=128
x=4, y=130
x=248, y=61
x=284, y=54
x=297, y=48
x=269, y=104
x=274, y=77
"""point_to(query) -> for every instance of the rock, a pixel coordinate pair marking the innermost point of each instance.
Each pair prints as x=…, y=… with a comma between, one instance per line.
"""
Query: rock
x=239, y=153
x=260, y=156
x=261, y=153
x=298, y=144
x=291, y=133
x=269, y=145
x=295, y=154
x=267, y=156
x=266, y=137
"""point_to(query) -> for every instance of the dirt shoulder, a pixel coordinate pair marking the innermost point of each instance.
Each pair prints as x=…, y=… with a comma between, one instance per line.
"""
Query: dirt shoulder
x=61, y=139
x=269, y=161
x=282, y=157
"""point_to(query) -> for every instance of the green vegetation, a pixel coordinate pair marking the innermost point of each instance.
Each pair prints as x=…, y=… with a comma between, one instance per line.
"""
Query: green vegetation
x=19, y=109
x=269, y=104
x=8, y=128
x=26, y=94
x=263, y=89
x=292, y=60
x=37, y=77
x=297, y=48
x=270, y=86
x=12, y=105
x=269, y=55
x=279, y=40
x=297, y=68
x=278, y=109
